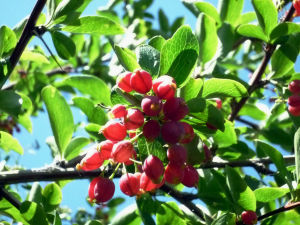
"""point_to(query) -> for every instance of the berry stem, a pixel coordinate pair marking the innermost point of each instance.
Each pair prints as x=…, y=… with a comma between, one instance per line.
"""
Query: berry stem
x=113, y=174
x=135, y=161
x=132, y=140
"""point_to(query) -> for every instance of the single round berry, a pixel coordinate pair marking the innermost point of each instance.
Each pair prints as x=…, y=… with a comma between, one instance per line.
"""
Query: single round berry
x=172, y=132
x=294, y=100
x=104, y=190
x=177, y=155
x=129, y=184
x=173, y=174
x=105, y=148
x=190, y=176
x=147, y=184
x=141, y=81
x=151, y=105
x=188, y=133
x=249, y=217
x=164, y=87
x=175, y=109
x=91, y=161
x=122, y=151
x=219, y=103
x=294, y=110
x=114, y=131
x=92, y=188
x=134, y=119
x=119, y=111
x=123, y=81
x=151, y=130
x=154, y=168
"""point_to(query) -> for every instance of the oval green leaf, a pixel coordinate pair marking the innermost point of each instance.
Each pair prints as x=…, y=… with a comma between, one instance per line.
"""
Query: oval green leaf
x=74, y=147
x=253, y=31
x=283, y=29
x=63, y=44
x=148, y=58
x=127, y=58
x=267, y=194
x=8, y=142
x=52, y=196
x=230, y=10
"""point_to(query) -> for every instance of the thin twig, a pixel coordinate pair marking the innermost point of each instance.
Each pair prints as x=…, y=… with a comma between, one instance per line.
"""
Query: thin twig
x=253, y=125
x=9, y=197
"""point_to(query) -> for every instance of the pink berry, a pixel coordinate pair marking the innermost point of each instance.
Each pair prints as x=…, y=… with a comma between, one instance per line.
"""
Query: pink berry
x=294, y=100
x=188, y=133
x=164, y=87
x=207, y=154
x=119, y=111
x=130, y=162
x=154, y=168
x=114, y=131
x=134, y=119
x=190, y=176
x=147, y=184
x=172, y=132
x=177, y=155
x=151, y=105
x=173, y=174
x=294, y=110
x=92, y=188
x=249, y=217
x=151, y=130
x=129, y=184
x=175, y=109
x=219, y=103
x=141, y=81
x=105, y=148
x=104, y=190
x=123, y=81
x=91, y=161
x=122, y=151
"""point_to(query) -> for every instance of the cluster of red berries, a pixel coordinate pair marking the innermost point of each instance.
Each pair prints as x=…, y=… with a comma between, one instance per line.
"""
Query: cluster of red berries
x=294, y=100
x=159, y=116
x=296, y=4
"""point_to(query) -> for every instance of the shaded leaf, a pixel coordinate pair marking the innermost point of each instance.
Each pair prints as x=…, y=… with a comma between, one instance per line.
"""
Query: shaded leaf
x=153, y=148
x=283, y=29
x=33, y=213
x=63, y=44
x=225, y=219
x=169, y=213
x=148, y=58
x=230, y=10
x=10, y=102
x=128, y=216
x=226, y=138
x=163, y=21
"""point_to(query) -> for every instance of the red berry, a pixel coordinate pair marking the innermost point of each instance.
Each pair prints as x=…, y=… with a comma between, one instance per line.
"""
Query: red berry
x=92, y=188
x=91, y=161
x=122, y=151
x=294, y=86
x=207, y=154
x=219, y=103
x=172, y=132
x=129, y=184
x=173, y=174
x=151, y=105
x=151, y=130
x=164, y=87
x=105, y=148
x=104, y=190
x=147, y=184
x=175, y=109
x=141, y=81
x=294, y=100
x=296, y=4
x=294, y=110
x=249, y=217
x=177, y=155
x=190, y=176
x=130, y=162
x=134, y=119
x=188, y=133
x=153, y=168
x=114, y=131
x=119, y=111
x=123, y=81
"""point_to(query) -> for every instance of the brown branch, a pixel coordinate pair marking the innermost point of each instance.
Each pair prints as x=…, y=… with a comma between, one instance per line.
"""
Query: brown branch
x=9, y=197
x=256, y=77
x=24, y=39
x=253, y=125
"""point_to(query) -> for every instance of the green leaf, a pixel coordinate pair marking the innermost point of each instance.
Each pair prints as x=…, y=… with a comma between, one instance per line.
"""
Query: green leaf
x=240, y=192
x=191, y=89
x=117, y=98
x=127, y=216
x=34, y=56
x=253, y=31
x=8, y=40
x=227, y=35
x=127, y=58
x=225, y=219
x=169, y=213
x=91, y=85
x=110, y=15
x=60, y=116
x=93, y=130
x=239, y=151
x=179, y=55
x=163, y=21
x=115, y=202
x=196, y=105
x=153, y=148
x=297, y=153
x=179, y=21
x=209, y=10
x=206, y=32
x=267, y=194
x=94, y=48
x=33, y=213
x=253, y=111
x=95, y=114
x=143, y=211
x=247, y=18
x=94, y=25
x=216, y=87
x=63, y=44
x=230, y=10
x=93, y=222
x=148, y=58
x=157, y=42
x=74, y=147
x=57, y=219
x=266, y=14
x=51, y=6
x=283, y=29
x=8, y=142
x=226, y=138
x=10, y=102
x=35, y=194
x=283, y=60
x=52, y=196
